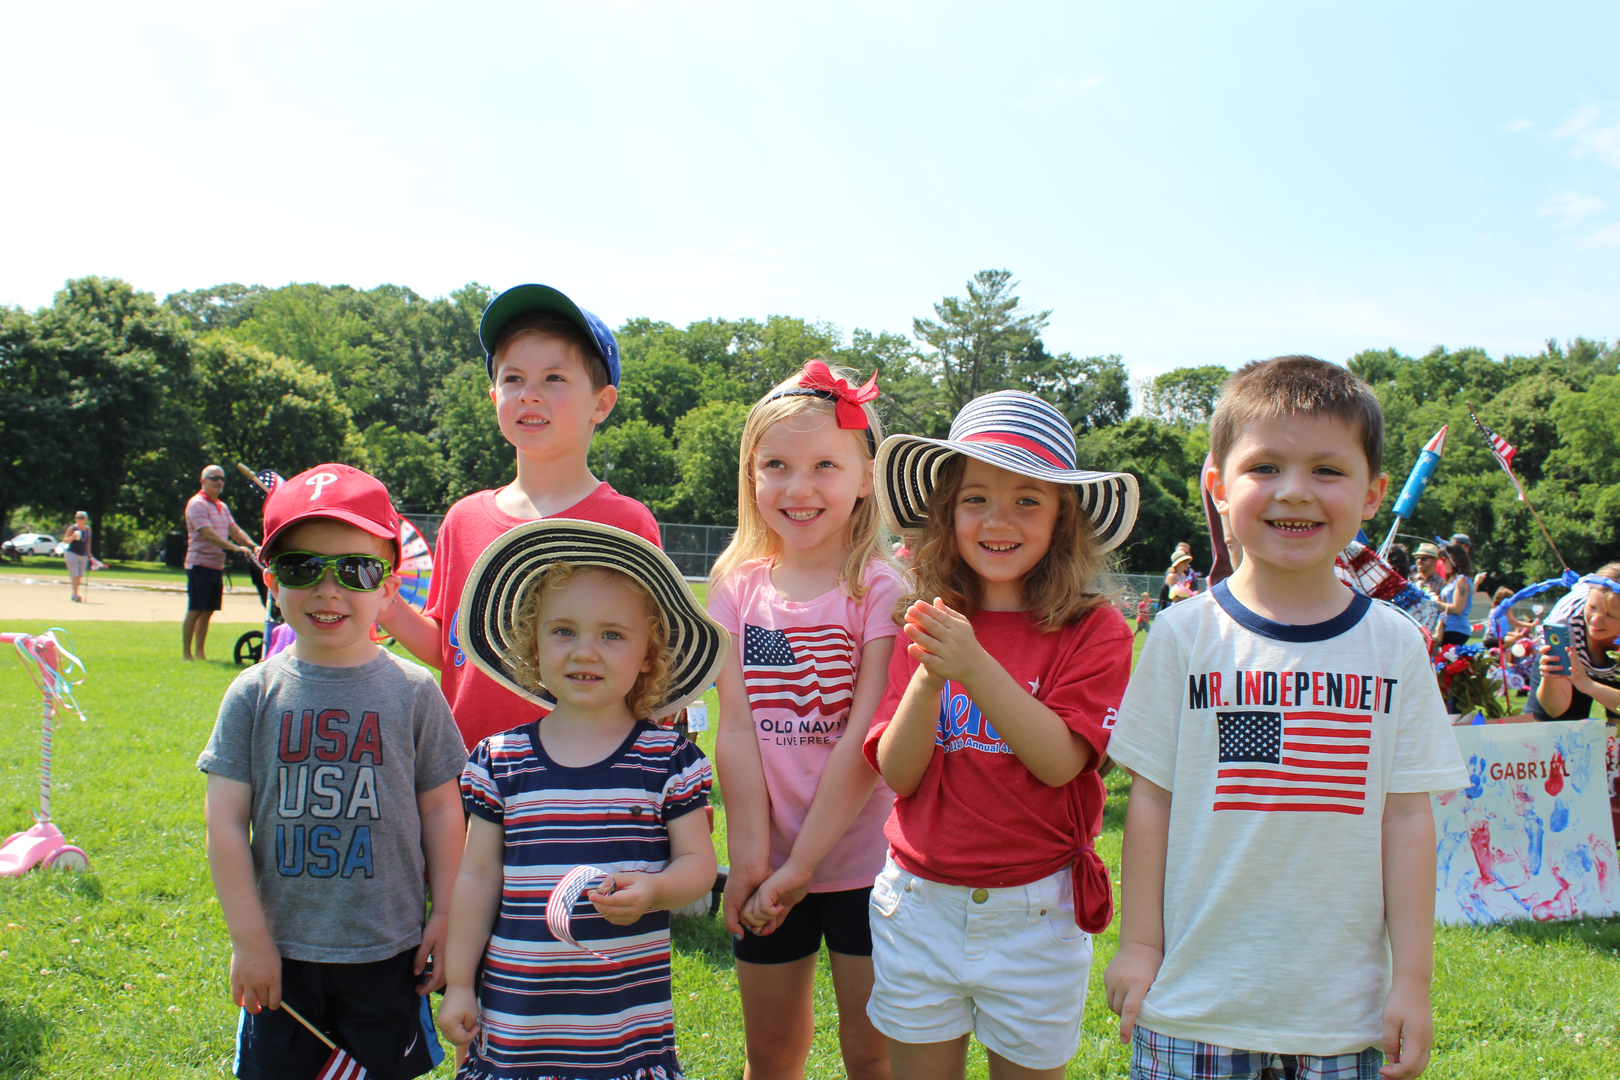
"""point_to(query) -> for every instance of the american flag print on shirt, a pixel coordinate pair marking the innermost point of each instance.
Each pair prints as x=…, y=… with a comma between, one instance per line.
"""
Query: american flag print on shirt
x=1313, y=761
x=802, y=670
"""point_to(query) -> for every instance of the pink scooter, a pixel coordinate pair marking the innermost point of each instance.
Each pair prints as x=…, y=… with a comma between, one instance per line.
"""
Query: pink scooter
x=44, y=844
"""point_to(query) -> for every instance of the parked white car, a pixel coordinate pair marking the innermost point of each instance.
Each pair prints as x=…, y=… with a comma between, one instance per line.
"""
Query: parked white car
x=29, y=544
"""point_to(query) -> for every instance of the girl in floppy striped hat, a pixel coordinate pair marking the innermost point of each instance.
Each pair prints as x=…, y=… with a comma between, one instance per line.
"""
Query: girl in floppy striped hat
x=995, y=717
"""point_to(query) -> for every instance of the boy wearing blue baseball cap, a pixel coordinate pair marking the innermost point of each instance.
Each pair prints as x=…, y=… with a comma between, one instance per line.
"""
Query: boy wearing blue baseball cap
x=554, y=375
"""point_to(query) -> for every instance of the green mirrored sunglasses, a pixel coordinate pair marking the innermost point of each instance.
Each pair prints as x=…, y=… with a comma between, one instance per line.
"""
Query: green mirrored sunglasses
x=302, y=569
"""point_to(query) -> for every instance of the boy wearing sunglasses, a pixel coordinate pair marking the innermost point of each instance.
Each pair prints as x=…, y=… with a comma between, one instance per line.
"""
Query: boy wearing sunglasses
x=332, y=773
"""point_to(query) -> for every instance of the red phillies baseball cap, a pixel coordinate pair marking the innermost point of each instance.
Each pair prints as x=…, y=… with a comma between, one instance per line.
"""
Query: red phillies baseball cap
x=340, y=492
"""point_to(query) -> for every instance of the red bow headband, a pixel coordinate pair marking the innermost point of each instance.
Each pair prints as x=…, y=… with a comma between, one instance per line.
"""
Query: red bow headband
x=817, y=380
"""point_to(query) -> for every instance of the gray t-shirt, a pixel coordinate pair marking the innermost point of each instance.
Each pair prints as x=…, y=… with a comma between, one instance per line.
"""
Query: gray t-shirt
x=336, y=757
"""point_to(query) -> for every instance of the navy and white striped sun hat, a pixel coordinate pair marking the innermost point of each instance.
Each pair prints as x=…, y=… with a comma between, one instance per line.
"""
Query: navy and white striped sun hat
x=1015, y=431
x=486, y=619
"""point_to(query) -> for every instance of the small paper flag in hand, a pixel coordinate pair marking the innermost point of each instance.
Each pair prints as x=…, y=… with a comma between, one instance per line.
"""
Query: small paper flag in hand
x=340, y=1066
x=560, y=908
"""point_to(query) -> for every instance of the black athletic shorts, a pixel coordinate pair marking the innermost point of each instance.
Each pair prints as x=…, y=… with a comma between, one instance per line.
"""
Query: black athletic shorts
x=370, y=1010
x=842, y=918
x=205, y=590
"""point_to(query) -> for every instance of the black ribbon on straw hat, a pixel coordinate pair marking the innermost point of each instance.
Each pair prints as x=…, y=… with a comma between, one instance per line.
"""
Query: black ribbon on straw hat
x=485, y=621
x=1012, y=430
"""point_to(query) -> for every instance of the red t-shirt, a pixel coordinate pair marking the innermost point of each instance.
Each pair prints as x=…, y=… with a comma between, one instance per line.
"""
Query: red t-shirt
x=980, y=817
x=483, y=707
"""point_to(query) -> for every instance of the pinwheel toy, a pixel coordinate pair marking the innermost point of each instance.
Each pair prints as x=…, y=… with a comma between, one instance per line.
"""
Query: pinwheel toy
x=44, y=845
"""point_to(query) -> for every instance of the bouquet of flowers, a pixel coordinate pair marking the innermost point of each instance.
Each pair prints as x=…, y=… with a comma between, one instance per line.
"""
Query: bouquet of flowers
x=1469, y=679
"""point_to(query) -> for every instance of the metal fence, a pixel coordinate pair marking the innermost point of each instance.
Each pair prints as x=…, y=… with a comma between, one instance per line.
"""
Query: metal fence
x=694, y=548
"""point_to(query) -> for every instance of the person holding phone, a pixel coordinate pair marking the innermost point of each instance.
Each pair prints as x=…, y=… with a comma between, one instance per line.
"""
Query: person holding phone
x=1591, y=611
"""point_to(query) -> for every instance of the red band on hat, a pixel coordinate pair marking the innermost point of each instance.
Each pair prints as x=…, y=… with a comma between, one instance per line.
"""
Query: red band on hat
x=1007, y=439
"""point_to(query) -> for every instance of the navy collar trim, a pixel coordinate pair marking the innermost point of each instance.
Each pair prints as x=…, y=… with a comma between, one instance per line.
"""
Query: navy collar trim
x=1322, y=631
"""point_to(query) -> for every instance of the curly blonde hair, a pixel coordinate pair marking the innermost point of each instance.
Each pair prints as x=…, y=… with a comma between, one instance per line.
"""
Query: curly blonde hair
x=1072, y=577
x=522, y=659
x=754, y=539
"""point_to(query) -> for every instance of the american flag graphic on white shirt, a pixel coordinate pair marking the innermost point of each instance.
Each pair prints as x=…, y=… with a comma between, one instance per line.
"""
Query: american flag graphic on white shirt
x=802, y=670
x=1313, y=761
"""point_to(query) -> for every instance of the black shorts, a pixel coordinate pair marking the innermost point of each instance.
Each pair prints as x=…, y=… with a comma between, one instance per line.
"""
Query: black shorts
x=842, y=917
x=205, y=590
x=370, y=1010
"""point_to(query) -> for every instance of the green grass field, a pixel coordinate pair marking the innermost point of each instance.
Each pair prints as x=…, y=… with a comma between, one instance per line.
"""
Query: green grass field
x=122, y=970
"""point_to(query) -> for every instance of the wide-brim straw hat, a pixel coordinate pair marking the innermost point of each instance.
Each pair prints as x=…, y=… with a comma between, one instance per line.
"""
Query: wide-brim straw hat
x=1181, y=559
x=503, y=573
x=1012, y=430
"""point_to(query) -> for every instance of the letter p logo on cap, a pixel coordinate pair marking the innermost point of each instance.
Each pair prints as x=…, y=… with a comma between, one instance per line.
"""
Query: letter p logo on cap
x=318, y=481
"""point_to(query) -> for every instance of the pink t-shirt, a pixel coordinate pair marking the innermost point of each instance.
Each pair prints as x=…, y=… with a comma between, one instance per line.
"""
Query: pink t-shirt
x=201, y=511
x=483, y=707
x=800, y=663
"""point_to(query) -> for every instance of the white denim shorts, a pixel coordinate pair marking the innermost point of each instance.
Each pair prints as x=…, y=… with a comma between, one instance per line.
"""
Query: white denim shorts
x=1009, y=965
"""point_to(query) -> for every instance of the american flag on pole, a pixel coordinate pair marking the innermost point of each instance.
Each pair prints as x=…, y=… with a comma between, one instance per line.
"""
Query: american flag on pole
x=269, y=478
x=1312, y=761
x=1503, y=450
x=340, y=1066
x=802, y=670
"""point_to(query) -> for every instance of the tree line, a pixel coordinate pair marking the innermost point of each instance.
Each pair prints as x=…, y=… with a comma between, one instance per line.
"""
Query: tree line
x=112, y=401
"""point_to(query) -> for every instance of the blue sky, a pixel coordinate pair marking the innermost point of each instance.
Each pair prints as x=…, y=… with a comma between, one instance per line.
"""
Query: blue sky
x=1178, y=183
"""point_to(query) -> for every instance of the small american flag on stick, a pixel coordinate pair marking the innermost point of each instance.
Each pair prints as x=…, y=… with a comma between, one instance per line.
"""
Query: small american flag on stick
x=803, y=670
x=339, y=1065
x=1502, y=450
x=1314, y=762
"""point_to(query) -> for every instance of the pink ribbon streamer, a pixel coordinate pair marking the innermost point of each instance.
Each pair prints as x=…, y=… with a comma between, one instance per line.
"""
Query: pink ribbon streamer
x=560, y=908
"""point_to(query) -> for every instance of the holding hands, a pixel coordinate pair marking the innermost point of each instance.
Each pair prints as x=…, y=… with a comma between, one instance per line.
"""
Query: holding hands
x=771, y=902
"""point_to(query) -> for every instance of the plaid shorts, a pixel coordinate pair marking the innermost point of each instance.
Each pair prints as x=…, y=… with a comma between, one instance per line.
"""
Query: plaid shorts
x=1160, y=1057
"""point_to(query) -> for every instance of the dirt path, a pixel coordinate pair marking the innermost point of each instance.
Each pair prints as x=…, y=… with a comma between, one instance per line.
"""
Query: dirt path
x=46, y=598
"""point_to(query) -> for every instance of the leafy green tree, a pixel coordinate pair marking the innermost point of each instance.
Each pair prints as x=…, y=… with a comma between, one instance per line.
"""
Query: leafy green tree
x=1091, y=391
x=706, y=447
x=976, y=342
x=1184, y=396
x=267, y=411
x=911, y=403
x=408, y=462
x=477, y=455
x=223, y=307
x=310, y=323
x=658, y=385
x=33, y=415
x=117, y=377
x=1165, y=460
x=638, y=460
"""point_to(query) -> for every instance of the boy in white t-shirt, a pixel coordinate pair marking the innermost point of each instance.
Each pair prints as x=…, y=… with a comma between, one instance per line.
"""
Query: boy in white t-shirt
x=1283, y=734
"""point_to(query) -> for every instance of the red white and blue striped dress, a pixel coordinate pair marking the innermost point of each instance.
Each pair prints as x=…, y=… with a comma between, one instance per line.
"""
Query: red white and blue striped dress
x=551, y=1012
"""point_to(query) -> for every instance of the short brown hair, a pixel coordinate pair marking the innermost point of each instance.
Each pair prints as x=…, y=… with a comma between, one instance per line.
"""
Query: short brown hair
x=1060, y=589
x=1294, y=386
x=545, y=324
